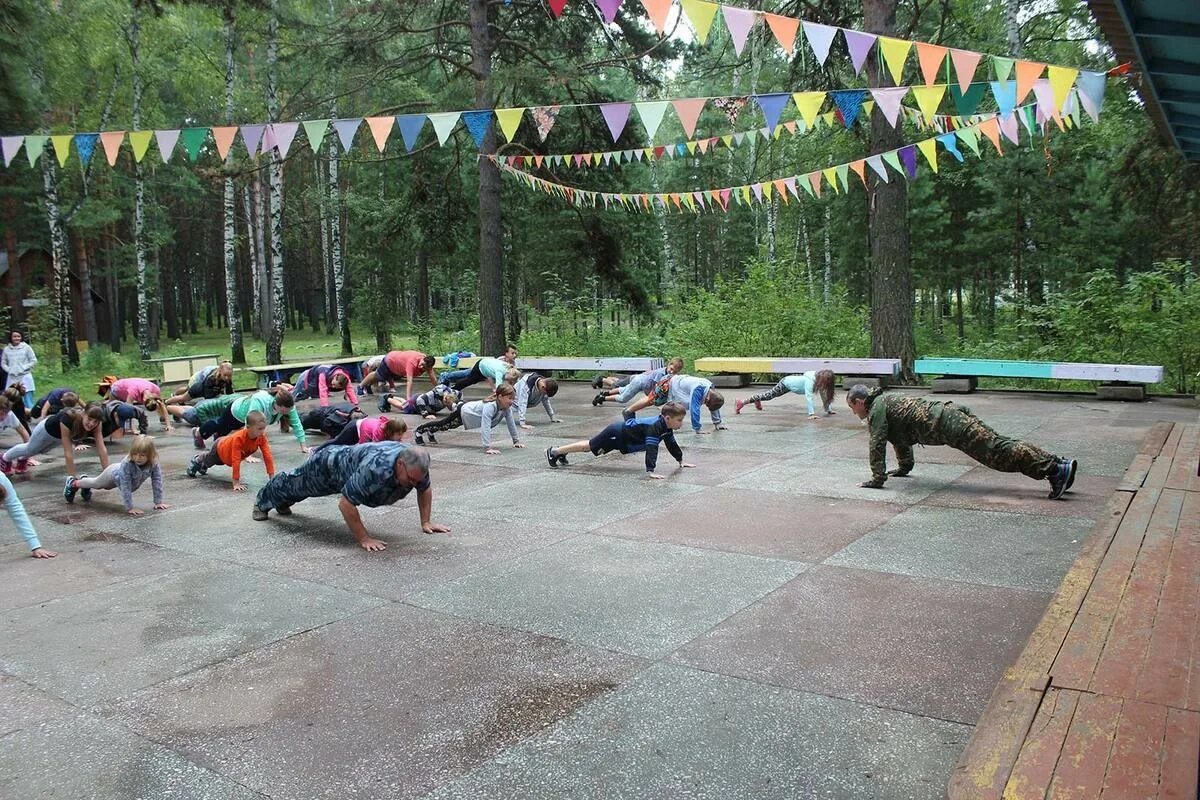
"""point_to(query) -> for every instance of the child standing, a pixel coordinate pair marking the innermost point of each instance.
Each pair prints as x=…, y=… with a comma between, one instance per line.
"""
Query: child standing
x=317, y=381
x=128, y=474
x=806, y=384
x=531, y=389
x=370, y=429
x=427, y=404
x=231, y=450
x=16, y=511
x=631, y=436
x=482, y=414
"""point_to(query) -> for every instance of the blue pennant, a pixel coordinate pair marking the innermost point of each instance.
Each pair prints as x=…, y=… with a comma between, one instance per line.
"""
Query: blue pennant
x=772, y=106
x=85, y=143
x=1006, y=95
x=950, y=142
x=410, y=128
x=477, y=123
x=849, y=102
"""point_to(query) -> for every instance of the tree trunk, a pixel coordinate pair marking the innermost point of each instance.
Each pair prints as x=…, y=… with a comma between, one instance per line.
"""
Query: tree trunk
x=84, y=269
x=808, y=265
x=116, y=323
x=262, y=281
x=232, y=313
x=491, y=267
x=251, y=244
x=321, y=186
x=337, y=264
x=275, y=167
x=827, y=285
x=64, y=315
x=134, y=34
x=891, y=271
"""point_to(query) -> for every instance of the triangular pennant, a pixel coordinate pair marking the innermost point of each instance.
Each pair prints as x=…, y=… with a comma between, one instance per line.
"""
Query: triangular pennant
x=35, y=145
x=969, y=136
x=928, y=148
x=784, y=29
x=1061, y=79
x=10, y=146
x=814, y=179
x=314, y=131
x=651, y=113
x=658, y=10
x=1003, y=67
x=616, y=115
x=557, y=6
x=739, y=21
x=965, y=102
x=111, y=142
x=908, y=157
x=929, y=98
x=85, y=143
x=1044, y=92
x=1008, y=127
x=889, y=101
x=1027, y=73
x=860, y=169
x=443, y=125
x=166, y=143
x=284, y=134
x=806, y=185
x=477, y=123
x=1027, y=119
x=991, y=129
x=732, y=106
x=251, y=137
x=772, y=106
x=346, y=129
x=608, y=8
x=688, y=110
x=381, y=129
x=965, y=62
x=700, y=13
x=544, y=117
x=62, y=147
x=849, y=102
x=892, y=159
x=843, y=172
x=949, y=142
x=193, y=142
x=895, y=52
x=930, y=57
x=819, y=37
x=510, y=121
x=809, y=104
x=223, y=138
x=1005, y=94
x=876, y=165
x=859, y=45
x=1091, y=93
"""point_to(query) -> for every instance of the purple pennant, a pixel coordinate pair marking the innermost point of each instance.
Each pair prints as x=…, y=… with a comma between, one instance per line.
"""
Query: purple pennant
x=616, y=115
x=410, y=128
x=251, y=136
x=346, y=128
x=85, y=143
x=908, y=157
x=11, y=145
x=772, y=106
x=859, y=45
x=477, y=123
x=609, y=8
x=849, y=102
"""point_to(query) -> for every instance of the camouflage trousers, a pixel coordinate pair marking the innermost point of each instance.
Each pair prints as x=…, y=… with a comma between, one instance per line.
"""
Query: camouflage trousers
x=964, y=431
x=313, y=478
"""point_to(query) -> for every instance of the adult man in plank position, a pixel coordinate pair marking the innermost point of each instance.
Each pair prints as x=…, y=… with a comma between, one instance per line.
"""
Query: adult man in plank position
x=904, y=421
x=371, y=475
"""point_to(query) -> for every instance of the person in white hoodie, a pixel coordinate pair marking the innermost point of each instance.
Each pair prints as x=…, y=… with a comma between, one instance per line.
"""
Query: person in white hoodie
x=689, y=391
x=18, y=361
x=483, y=414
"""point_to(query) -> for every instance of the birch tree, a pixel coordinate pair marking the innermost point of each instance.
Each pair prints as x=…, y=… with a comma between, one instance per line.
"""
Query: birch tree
x=275, y=199
x=232, y=310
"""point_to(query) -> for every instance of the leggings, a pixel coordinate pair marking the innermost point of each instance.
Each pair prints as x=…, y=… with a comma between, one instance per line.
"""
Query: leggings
x=105, y=480
x=39, y=442
x=125, y=414
x=778, y=390
x=455, y=420
x=633, y=389
x=473, y=377
x=348, y=435
x=227, y=424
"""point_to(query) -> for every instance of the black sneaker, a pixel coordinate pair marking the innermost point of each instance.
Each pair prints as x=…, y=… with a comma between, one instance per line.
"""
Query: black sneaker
x=284, y=511
x=562, y=461
x=258, y=514
x=551, y=459
x=194, y=469
x=627, y=415
x=597, y=381
x=429, y=437
x=1074, y=465
x=85, y=494
x=419, y=439
x=1063, y=472
x=383, y=402
x=69, y=490
x=599, y=399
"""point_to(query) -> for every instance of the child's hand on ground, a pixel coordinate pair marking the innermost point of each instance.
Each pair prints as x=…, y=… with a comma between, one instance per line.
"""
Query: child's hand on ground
x=430, y=416
x=169, y=429
x=161, y=506
x=812, y=416
x=686, y=465
x=518, y=444
x=373, y=545
x=526, y=426
x=42, y=552
x=650, y=476
x=252, y=459
x=491, y=451
x=829, y=412
x=433, y=527
x=703, y=433
x=135, y=512
x=80, y=447
x=33, y=462
x=239, y=487
x=555, y=421
x=305, y=449
x=722, y=427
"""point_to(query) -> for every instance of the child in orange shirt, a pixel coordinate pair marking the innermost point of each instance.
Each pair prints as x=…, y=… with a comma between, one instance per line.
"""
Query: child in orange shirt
x=235, y=447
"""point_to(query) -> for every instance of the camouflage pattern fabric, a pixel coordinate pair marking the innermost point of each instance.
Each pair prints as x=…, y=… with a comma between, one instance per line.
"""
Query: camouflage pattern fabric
x=904, y=421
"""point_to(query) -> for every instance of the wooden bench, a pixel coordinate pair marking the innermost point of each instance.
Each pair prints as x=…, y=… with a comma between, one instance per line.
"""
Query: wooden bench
x=547, y=365
x=273, y=373
x=869, y=371
x=1105, y=698
x=180, y=369
x=1117, y=381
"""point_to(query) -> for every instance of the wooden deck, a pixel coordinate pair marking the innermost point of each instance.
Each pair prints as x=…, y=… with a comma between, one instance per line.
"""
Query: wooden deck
x=1104, y=702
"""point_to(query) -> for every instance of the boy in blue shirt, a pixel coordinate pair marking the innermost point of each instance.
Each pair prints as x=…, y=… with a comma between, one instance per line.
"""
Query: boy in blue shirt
x=632, y=436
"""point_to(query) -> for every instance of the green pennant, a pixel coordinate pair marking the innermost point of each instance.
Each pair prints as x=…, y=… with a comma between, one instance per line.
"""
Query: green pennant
x=1032, y=119
x=966, y=102
x=315, y=131
x=193, y=141
x=34, y=146
x=140, y=142
x=1003, y=67
x=843, y=172
x=969, y=137
x=892, y=159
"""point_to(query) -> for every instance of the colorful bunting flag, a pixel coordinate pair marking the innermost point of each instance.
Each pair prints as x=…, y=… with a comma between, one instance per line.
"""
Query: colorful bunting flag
x=608, y=9
x=283, y=134
x=651, y=113
x=510, y=120
x=166, y=143
x=876, y=165
x=688, y=110
x=544, y=118
x=859, y=44
x=1061, y=81
x=1091, y=93
x=819, y=37
x=1005, y=94
x=443, y=125
x=251, y=137
x=111, y=142
x=809, y=104
x=62, y=147
x=85, y=143
x=35, y=145
x=658, y=10
x=929, y=98
x=895, y=53
x=965, y=63
x=1003, y=67
x=849, y=103
x=615, y=115
x=772, y=106
x=556, y=7
x=10, y=146
x=1027, y=73
x=381, y=129
x=966, y=101
x=314, y=131
x=784, y=29
x=739, y=21
x=346, y=129
x=930, y=57
x=223, y=138
x=889, y=100
x=477, y=123
x=732, y=106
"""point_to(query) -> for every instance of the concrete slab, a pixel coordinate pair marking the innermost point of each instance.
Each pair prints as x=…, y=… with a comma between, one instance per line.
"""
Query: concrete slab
x=711, y=467
x=384, y=705
x=926, y=646
x=981, y=547
x=771, y=524
x=833, y=477
x=988, y=490
x=633, y=597
x=758, y=741
x=1109, y=457
x=158, y=626
x=52, y=750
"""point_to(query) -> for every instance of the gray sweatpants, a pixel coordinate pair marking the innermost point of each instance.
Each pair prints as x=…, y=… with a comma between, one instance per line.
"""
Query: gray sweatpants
x=39, y=442
x=105, y=480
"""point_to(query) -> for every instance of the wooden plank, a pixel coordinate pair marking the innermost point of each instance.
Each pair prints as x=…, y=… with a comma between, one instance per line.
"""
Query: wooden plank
x=1156, y=478
x=1079, y=774
x=1136, y=751
x=1135, y=476
x=298, y=366
x=606, y=363
x=1076, y=661
x=1129, y=637
x=985, y=765
x=1182, y=473
x=983, y=367
x=1155, y=438
x=792, y=365
x=1124, y=373
x=1180, y=756
x=1165, y=673
x=1039, y=755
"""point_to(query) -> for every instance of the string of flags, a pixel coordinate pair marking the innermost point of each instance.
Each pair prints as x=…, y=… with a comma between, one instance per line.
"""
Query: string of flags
x=902, y=161
x=1053, y=99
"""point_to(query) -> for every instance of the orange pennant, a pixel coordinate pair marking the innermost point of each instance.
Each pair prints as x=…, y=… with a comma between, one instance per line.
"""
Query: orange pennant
x=784, y=29
x=1027, y=73
x=991, y=129
x=111, y=140
x=860, y=169
x=224, y=139
x=657, y=10
x=689, y=110
x=931, y=57
x=815, y=179
x=381, y=128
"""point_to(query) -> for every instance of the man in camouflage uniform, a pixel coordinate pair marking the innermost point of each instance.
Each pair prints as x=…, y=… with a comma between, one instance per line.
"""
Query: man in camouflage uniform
x=374, y=474
x=904, y=421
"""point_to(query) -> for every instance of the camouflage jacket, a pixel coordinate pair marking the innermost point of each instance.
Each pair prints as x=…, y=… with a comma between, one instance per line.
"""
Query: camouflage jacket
x=904, y=421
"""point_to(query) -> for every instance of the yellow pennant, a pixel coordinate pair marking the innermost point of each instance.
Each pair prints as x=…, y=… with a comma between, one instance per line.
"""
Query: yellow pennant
x=929, y=149
x=510, y=120
x=700, y=14
x=831, y=176
x=928, y=99
x=62, y=147
x=809, y=105
x=140, y=142
x=1061, y=79
x=895, y=53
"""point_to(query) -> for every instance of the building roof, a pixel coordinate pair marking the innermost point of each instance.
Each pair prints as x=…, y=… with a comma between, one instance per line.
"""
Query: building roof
x=1162, y=39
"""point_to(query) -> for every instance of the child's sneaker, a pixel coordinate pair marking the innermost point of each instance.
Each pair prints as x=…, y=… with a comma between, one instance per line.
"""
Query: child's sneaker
x=1074, y=465
x=758, y=405
x=419, y=439
x=258, y=514
x=429, y=437
x=197, y=439
x=627, y=415
x=85, y=494
x=1064, y=472
x=383, y=402
x=599, y=399
x=194, y=469
x=69, y=490
x=737, y=406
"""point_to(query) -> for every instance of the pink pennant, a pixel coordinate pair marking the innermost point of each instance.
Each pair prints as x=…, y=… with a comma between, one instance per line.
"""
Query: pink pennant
x=658, y=10
x=1045, y=100
x=556, y=7
x=739, y=21
x=859, y=45
x=1008, y=127
x=688, y=110
x=888, y=100
x=965, y=63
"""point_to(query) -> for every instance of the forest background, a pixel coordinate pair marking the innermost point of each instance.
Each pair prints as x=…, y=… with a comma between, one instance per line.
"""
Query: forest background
x=1076, y=246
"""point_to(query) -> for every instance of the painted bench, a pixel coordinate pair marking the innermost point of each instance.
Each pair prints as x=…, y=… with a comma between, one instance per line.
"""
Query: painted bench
x=549, y=364
x=1117, y=381
x=180, y=369
x=273, y=373
x=869, y=371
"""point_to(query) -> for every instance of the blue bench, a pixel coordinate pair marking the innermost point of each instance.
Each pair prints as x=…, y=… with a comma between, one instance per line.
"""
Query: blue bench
x=1116, y=381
